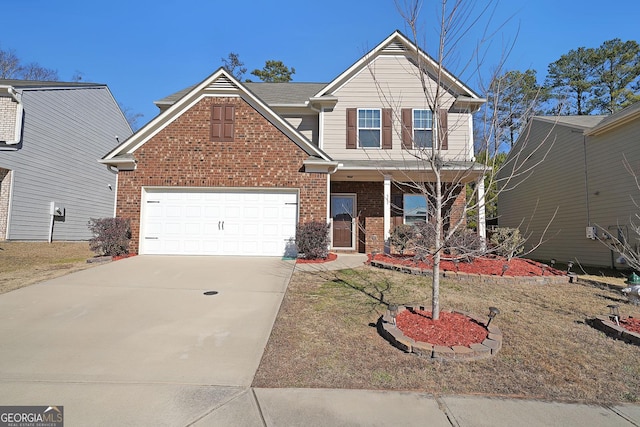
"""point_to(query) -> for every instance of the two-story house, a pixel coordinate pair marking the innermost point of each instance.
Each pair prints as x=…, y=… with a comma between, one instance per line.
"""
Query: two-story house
x=231, y=168
x=51, y=134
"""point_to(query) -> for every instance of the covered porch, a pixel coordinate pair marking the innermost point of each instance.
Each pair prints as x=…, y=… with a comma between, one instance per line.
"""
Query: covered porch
x=367, y=202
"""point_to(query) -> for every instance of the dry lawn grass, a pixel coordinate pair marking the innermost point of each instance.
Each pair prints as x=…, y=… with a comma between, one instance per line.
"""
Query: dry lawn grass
x=25, y=263
x=325, y=337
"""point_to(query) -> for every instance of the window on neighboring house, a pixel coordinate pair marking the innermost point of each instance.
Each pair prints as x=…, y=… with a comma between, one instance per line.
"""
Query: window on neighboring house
x=414, y=208
x=369, y=128
x=222, y=122
x=422, y=128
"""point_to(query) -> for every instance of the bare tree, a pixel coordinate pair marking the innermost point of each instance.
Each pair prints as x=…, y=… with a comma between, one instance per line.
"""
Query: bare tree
x=9, y=64
x=444, y=177
x=34, y=71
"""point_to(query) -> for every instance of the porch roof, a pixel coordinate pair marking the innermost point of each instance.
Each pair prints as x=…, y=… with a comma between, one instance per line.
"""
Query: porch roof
x=406, y=170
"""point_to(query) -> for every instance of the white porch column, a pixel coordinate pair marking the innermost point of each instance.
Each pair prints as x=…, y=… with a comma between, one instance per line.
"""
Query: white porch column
x=387, y=211
x=482, y=220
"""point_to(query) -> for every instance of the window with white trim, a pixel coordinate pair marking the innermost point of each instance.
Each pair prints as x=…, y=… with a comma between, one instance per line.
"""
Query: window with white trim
x=369, y=128
x=414, y=208
x=422, y=128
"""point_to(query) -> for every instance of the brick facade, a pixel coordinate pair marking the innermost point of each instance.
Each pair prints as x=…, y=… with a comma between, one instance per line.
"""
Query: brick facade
x=5, y=190
x=8, y=111
x=184, y=155
x=370, y=210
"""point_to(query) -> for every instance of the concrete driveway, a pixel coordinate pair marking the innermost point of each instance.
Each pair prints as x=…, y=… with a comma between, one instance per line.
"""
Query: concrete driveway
x=140, y=330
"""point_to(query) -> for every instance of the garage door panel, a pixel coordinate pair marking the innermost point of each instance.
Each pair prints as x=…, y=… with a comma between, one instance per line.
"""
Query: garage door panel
x=218, y=223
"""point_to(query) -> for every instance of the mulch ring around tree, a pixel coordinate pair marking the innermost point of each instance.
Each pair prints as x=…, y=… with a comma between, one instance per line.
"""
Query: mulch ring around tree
x=454, y=336
x=491, y=266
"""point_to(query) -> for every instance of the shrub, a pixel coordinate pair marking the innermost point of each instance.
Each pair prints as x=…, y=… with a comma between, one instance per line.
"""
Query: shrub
x=401, y=237
x=464, y=242
x=507, y=242
x=424, y=240
x=312, y=240
x=111, y=236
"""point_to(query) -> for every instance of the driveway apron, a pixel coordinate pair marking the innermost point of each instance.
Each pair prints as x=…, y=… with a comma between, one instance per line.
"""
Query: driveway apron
x=162, y=330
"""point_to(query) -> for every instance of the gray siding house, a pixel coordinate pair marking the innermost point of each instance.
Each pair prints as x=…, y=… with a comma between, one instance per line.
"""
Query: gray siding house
x=580, y=186
x=51, y=137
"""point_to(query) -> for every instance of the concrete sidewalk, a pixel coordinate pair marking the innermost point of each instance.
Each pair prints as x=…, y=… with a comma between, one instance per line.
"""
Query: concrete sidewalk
x=322, y=407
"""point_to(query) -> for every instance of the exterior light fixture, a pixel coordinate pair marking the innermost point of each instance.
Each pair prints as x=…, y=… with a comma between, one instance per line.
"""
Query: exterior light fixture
x=552, y=262
x=569, y=266
x=505, y=267
x=614, y=313
x=493, y=312
x=393, y=311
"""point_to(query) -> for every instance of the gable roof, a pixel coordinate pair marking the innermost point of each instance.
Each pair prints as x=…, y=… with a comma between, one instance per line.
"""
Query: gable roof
x=220, y=82
x=40, y=84
x=273, y=94
x=632, y=112
x=584, y=122
x=399, y=44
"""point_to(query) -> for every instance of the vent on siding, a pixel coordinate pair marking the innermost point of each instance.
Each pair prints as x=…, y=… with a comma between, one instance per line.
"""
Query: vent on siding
x=395, y=47
x=222, y=83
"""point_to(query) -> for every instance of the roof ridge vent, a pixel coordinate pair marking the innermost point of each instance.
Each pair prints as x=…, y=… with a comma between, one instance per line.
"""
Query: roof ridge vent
x=222, y=82
x=395, y=47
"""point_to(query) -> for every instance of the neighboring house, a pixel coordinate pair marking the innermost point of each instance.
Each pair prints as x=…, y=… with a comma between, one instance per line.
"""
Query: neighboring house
x=231, y=168
x=581, y=183
x=51, y=137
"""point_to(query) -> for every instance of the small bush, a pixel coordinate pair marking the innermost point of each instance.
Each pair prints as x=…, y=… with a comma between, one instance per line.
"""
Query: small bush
x=507, y=242
x=111, y=236
x=424, y=240
x=402, y=236
x=312, y=240
x=464, y=242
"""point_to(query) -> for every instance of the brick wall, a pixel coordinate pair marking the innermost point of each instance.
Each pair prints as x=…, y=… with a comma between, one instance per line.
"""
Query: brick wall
x=370, y=210
x=183, y=155
x=5, y=187
x=8, y=108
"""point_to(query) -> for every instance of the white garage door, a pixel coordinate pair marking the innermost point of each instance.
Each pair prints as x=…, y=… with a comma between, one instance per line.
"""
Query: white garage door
x=196, y=222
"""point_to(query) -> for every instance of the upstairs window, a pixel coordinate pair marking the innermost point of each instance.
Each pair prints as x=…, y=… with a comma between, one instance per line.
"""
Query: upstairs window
x=422, y=128
x=369, y=128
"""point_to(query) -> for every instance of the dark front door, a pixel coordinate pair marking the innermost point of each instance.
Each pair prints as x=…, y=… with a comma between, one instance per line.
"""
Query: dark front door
x=342, y=212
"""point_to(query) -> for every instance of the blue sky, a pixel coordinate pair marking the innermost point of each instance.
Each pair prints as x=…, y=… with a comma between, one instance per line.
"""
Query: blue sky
x=145, y=50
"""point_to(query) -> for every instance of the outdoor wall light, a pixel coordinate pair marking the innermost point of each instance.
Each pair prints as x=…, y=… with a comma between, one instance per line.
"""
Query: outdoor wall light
x=493, y=312
x=552, y=262
x=569, y=266
x=614, y=313
x=393, y=311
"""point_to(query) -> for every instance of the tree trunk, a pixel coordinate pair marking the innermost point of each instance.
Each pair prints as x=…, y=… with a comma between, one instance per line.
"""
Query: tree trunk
x=435, y=295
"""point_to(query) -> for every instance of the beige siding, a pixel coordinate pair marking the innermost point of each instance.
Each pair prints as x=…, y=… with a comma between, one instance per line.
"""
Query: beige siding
x=307, y=125
x=395, y=86
x=559, y=182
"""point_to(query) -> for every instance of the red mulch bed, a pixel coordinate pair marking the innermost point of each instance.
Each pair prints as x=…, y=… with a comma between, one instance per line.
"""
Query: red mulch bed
x=451, y=329
x=117, y=257
x=480, y=265
x=330, y=257
x=631, y=324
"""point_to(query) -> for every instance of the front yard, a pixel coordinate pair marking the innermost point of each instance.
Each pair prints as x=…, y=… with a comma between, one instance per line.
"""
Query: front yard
x=25, y=263
x=325, y=337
